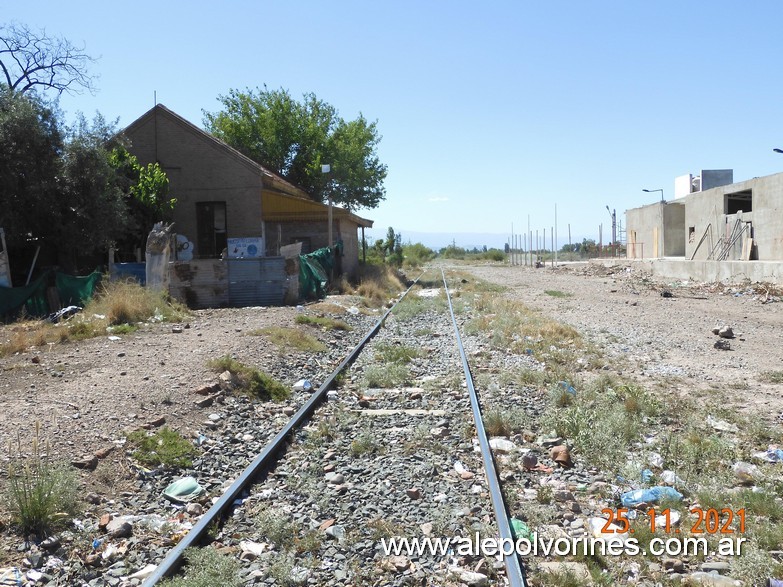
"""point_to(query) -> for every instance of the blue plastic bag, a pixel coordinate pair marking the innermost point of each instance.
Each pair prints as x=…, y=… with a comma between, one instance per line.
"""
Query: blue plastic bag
x=631, y=499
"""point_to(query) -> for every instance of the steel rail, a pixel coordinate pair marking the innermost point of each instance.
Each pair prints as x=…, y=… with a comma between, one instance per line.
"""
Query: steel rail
x=173, y=560
x=514, y=570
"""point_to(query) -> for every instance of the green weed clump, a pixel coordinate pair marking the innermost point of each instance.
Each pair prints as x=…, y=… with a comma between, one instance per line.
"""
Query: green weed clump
x=386, y=376
x=290, y=338
x=165, y=447
x=771, y=377
x=323, y=321
x=364, y=443
x=206, y=567
x=414, y=305
x=504, y=422
x=396, y=353
x=512, y=326
x=602, y=419
x=250, y=380
x=40, y=494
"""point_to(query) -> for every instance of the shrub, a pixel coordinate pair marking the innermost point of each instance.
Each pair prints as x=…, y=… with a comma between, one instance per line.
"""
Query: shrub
x=378, y=284
x=416, y=254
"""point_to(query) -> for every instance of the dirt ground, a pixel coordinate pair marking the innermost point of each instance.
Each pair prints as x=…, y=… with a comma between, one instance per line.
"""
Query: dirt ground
x=668, y=340
x=86, y=394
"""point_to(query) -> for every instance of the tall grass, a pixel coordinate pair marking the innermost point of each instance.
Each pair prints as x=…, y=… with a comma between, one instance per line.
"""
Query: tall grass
x=378, y=283
x=41, y=494
x=115, y=305
x=127, y=302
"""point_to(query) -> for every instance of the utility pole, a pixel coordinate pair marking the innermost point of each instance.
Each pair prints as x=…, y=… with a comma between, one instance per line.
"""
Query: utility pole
x=613, y=214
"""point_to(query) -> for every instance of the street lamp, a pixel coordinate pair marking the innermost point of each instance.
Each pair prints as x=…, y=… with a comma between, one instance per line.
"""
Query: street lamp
x=658, y=190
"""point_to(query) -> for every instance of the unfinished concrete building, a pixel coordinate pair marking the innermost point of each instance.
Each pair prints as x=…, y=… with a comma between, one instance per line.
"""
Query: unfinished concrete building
x=714, y=229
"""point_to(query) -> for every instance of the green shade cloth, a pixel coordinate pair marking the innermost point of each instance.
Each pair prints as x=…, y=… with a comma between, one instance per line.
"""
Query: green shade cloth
x=314, y=271
x=31, y=297
x=75, y=291
x=72, y=290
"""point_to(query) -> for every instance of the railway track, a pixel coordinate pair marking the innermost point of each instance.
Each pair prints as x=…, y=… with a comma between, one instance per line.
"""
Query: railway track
x=390, y=446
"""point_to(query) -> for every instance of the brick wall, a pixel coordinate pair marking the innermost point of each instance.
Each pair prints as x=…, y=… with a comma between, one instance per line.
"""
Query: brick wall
x=200, y=172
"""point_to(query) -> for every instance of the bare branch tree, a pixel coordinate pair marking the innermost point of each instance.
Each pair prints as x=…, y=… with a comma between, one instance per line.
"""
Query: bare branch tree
x=30, y=60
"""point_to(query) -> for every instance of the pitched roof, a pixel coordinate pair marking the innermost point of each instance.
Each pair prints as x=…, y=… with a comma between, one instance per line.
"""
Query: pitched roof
x=268, y=175
x=302, y=204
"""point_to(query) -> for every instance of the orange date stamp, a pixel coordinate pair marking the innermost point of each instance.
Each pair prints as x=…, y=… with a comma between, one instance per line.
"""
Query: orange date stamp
x=708, y=521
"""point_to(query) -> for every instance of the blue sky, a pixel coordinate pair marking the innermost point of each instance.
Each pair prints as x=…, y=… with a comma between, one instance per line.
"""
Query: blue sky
x=489, y=113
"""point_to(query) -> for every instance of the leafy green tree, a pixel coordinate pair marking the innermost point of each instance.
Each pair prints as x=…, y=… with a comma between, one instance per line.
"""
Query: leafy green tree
x=31, y=144
x=147, y=193
x=66, y=189
x=295, y=138
x=90, y=204
x=588, y=247
x=379, y=246
x=391, y=240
